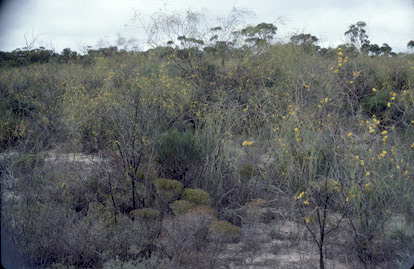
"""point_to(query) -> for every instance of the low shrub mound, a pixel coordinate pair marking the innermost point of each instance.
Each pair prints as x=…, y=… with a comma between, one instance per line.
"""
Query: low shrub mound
x=146, y=214
x=224, y=232
x=168, y=189
x=196, y=196
x=181, y=206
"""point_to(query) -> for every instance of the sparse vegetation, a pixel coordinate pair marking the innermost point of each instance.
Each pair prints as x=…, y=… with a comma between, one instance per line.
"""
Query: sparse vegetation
x=161, y=158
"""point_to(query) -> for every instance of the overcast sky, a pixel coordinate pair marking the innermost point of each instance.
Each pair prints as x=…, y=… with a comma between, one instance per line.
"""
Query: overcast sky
x=58, y=24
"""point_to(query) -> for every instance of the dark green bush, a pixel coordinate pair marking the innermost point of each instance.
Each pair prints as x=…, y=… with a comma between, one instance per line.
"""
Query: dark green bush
x=376, y=103
x=178, y=154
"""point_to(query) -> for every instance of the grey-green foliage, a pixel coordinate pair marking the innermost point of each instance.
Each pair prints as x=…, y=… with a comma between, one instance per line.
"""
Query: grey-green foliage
x=404, y=235
x=357, y=35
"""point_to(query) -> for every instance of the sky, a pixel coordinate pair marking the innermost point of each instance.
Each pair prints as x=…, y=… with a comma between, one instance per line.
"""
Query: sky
x=58, y=24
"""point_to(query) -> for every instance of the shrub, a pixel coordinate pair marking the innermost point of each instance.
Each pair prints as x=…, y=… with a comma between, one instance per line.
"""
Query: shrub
x=146, y=214
x=377, y=103
x=203, y=210
x=185, y=237
x=181, y=206
x=168, y=189
x=224, y=231
x=178, y=154
x=196, y=196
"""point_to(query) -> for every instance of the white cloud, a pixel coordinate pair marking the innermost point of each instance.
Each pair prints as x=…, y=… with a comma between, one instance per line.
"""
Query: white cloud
x=68, y=23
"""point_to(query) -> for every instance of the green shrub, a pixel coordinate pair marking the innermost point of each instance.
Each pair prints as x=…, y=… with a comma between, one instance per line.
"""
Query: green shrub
x=146, y=214
x=177, y=154
x=375, y=104
x=168, y=189
x=224, y=232
x=196, y=196
x=181, y=206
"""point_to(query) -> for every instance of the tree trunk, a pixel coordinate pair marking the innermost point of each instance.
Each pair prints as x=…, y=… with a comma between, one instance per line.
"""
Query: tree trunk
x=134, y=204
x=321, y=263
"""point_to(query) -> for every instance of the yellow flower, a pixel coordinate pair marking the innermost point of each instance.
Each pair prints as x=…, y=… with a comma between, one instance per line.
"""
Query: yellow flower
x=384, y=132
x=357, y=157
x=374, y=90
x=347, y=199
x=388, y=104
x=326, y=100
x=306, y=202
x=350, y=134
x=362, y=162
x=367, y=173
x=247, y=143
x=307, y=220
x=296, y=130
x=300, y=195
x=398, y=167
x=405, y=172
